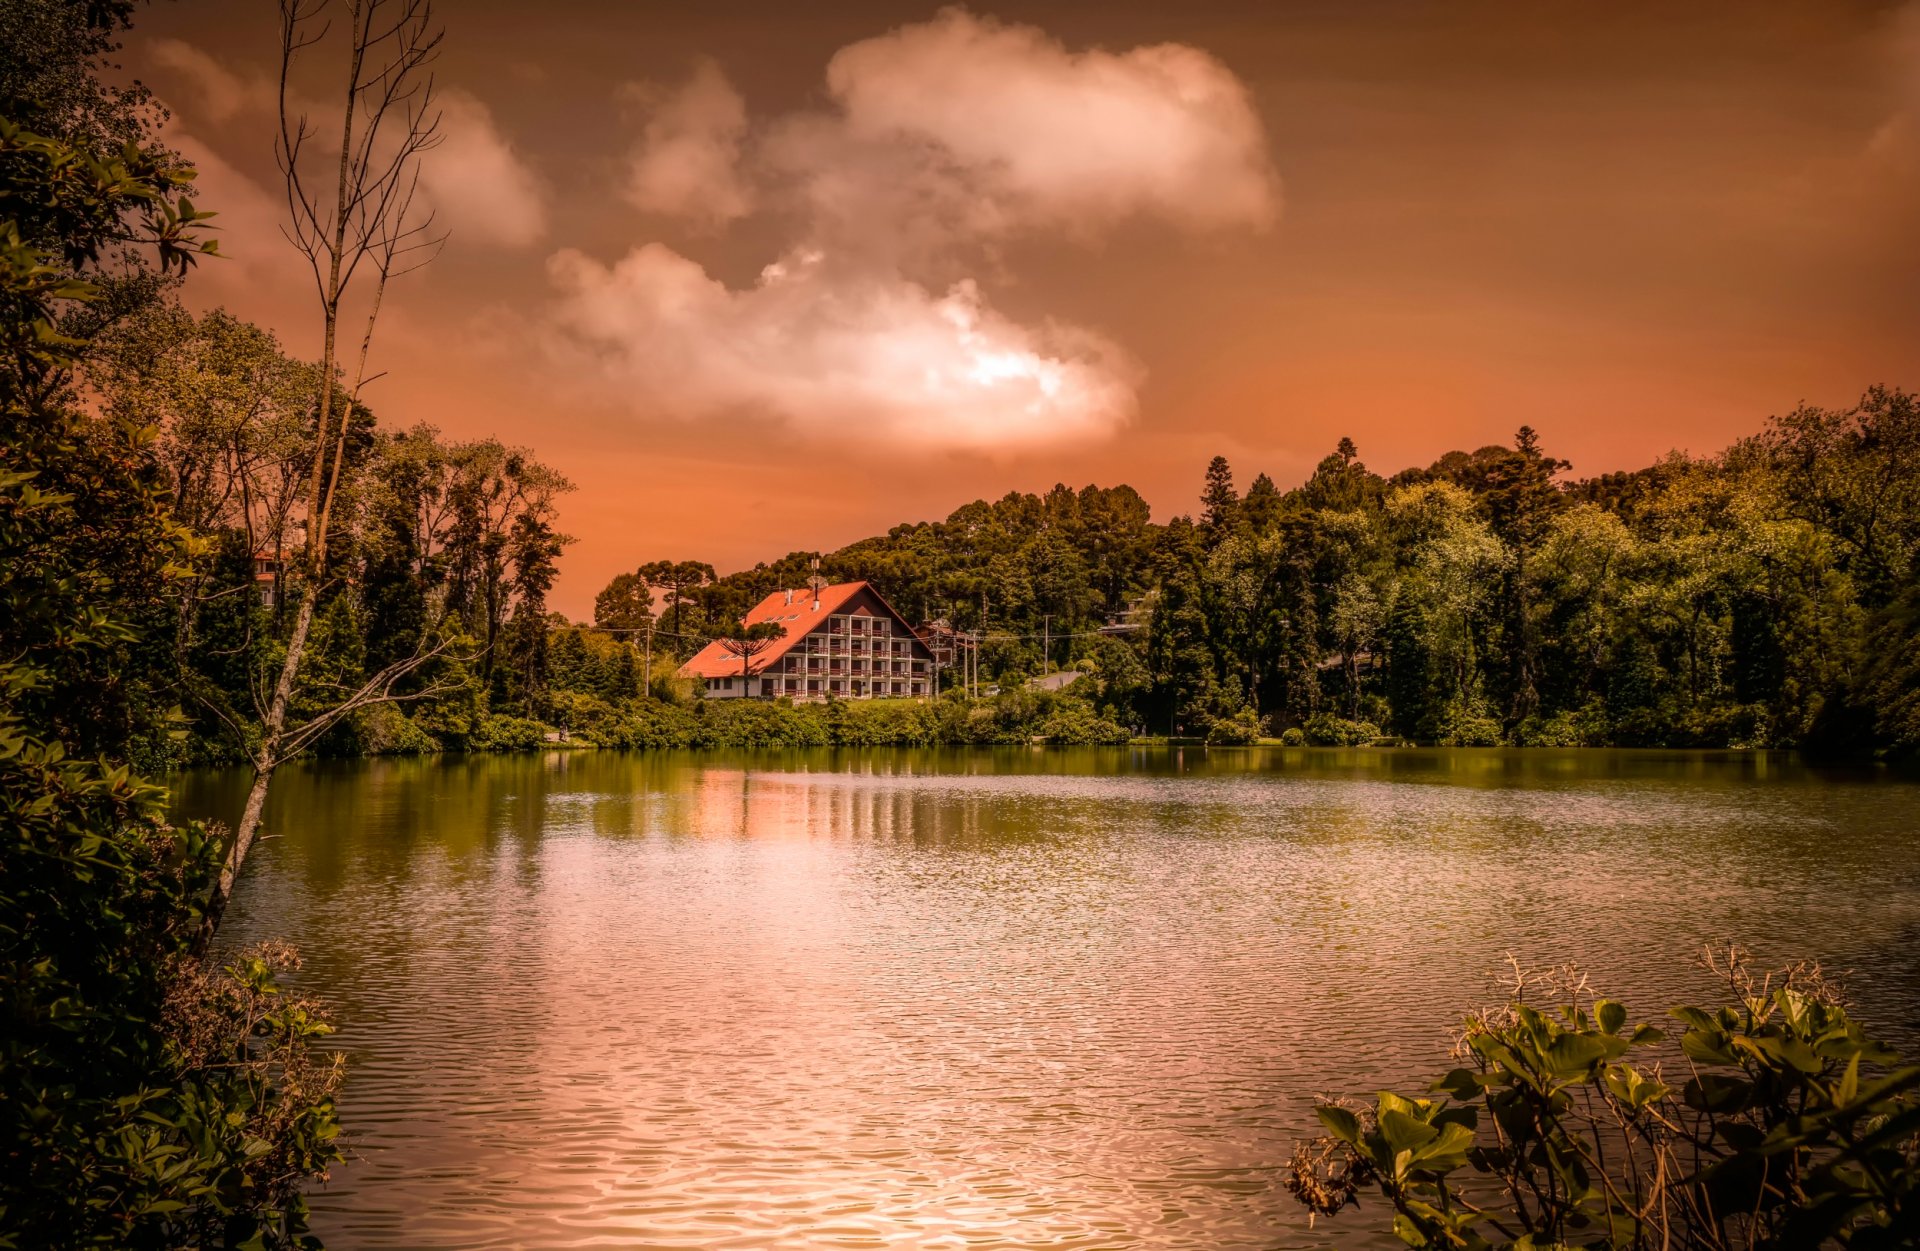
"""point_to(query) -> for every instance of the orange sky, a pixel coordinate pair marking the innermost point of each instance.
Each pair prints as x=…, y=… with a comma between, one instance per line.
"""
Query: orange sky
x=1088, y=242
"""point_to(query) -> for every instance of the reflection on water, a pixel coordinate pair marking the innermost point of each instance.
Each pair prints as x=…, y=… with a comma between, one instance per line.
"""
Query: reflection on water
x=988, y=999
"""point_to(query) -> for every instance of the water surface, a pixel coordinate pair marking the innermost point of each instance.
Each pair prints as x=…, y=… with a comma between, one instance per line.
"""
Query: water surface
x=1008, y=999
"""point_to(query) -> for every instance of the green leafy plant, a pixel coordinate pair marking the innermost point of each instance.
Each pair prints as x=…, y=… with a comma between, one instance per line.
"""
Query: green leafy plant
x=1792, y=1128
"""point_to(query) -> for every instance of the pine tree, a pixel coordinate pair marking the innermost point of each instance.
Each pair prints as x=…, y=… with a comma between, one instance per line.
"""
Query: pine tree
x=1220, y=507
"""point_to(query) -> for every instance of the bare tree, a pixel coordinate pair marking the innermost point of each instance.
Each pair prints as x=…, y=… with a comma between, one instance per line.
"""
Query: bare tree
x=360, y=222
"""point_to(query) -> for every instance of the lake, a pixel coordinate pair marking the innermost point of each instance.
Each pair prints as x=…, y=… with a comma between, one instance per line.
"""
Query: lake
x=988, y=999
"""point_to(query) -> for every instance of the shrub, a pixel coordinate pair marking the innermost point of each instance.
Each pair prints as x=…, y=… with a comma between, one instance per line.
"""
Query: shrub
x=1293, y=736
x=1792, y=1129
x=1242, y=729
x=383, y=730
x=759, y=723
x=502, y=733
x=1326, y=730
x=1073, y=723
x=1562, y=729
x=883, y=723
x=1463, y=728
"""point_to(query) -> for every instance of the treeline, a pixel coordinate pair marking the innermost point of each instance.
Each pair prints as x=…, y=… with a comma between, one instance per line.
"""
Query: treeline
x=440, y=552
x=1767, y=596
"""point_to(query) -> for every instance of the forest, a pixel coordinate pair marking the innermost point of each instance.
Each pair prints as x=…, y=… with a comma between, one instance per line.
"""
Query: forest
x=1763, y=597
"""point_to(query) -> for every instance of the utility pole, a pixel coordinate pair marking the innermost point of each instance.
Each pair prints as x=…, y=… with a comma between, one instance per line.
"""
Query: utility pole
x=647, y=687
x=1046, y=644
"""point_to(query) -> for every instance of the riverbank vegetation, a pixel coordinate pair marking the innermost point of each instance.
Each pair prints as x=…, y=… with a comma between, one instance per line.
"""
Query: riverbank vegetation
x=149, y=1096
x=1792, y=1127
x=1764, y=597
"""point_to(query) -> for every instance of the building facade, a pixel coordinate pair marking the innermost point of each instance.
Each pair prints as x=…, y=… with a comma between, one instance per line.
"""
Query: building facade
x=843, y=641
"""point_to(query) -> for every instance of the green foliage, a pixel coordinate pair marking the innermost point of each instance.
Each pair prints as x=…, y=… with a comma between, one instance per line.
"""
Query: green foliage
x=1293, y=736
x=495, y=732
x=383, y=730
x=145, y=1099
x=1792, y=1129
x=1562, y=729
x=1073, y=723
x=1326, y=730
x=1242, y=729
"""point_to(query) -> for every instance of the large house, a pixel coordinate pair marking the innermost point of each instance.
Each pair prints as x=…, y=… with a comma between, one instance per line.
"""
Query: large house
x=842, y=640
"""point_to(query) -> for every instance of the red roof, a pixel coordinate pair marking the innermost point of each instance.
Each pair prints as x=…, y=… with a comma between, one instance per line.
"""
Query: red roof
x=798, y=619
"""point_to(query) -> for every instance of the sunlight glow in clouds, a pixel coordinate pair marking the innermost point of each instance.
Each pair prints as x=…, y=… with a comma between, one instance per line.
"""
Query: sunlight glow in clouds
x=948, y=136
x=842, y=354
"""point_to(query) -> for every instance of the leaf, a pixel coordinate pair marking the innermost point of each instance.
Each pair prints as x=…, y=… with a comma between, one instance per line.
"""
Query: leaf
x=1405, y=1133
x=1447, y=1151
x=1612, y=1015
x=1341, y=1123
x=1849, y=1083
x=1708, y=1046
x=1461, y=1084
x=1717, y=1092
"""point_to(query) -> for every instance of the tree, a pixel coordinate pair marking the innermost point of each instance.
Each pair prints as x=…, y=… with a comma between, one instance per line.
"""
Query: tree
x=1261, y=508
x=1219, y=506
x=626, y=603
x=364, y=218
x=117, y=1127
x=1855, y=473
x=534, y=549
x=748, y=641
x=677, y=578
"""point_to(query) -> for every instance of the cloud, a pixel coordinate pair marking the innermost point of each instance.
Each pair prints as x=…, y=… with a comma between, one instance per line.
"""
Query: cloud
x=222, y=94
x=478, y=185
x=856, y=355
x=1164, y=131
x=688, y=161
x=941, y=141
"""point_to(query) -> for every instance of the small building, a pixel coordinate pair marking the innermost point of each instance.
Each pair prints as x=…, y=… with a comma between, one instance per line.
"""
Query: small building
x=842, y=640
x=266, y=574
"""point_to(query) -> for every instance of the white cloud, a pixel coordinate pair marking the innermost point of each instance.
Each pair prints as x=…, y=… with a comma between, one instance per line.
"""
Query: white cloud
x=478, y=185
x=1164, y=131
x=854, y=354
x=688, y=161
x=942, y=140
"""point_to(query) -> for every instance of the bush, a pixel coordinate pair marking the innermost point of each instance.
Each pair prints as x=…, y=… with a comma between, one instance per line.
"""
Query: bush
x=1242, y=729
x=882, y=723
x=1293, y=736
x=1463, y=728
x=383, y=730
x=1326, y=730
x=1792, y=1129
x=1562, y=729
x=501, y=733
x=760, y=723
x=1073, y=723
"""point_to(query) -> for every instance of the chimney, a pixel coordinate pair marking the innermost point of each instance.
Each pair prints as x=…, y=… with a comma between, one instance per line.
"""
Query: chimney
x=789, y=597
